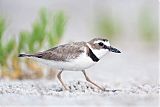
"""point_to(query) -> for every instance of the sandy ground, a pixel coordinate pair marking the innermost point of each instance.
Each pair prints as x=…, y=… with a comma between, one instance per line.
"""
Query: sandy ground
x=47, y=92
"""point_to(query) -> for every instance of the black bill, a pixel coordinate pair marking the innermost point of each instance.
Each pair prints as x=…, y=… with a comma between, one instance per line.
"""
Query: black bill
x=114, y=50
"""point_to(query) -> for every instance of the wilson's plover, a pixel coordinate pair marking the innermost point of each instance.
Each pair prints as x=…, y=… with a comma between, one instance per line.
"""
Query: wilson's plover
x=75, y=56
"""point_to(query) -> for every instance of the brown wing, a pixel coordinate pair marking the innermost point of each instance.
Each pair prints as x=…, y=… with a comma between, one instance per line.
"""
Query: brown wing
x=63, y=52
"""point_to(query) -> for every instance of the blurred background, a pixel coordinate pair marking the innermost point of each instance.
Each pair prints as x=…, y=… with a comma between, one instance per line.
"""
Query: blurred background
x=35, y=25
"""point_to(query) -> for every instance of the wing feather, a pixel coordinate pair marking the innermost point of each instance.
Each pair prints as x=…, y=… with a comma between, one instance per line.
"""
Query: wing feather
x=64, y=52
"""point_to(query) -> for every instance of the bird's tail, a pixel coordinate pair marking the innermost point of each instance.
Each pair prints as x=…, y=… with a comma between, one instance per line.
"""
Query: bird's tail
x=24, y=55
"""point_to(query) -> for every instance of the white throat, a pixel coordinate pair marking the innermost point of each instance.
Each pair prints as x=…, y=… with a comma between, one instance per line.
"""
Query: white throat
x=99, y=53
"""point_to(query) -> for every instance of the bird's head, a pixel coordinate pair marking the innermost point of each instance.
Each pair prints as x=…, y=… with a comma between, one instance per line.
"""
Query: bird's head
x=101, y=46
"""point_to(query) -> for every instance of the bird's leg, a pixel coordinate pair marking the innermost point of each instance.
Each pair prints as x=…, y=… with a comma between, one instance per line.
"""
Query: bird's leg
x=59, y=77
x=88, y=79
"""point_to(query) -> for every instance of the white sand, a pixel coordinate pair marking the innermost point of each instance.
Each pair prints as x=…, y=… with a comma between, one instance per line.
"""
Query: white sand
x=47, y=92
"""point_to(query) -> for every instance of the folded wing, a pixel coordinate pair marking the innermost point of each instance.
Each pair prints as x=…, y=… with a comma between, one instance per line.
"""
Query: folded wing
x=63, y=52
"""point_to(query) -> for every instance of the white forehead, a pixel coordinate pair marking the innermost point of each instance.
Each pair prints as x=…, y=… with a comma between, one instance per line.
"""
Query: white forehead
x=104, y=42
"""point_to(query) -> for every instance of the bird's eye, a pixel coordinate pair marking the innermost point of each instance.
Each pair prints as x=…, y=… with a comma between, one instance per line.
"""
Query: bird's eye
x=100, y=44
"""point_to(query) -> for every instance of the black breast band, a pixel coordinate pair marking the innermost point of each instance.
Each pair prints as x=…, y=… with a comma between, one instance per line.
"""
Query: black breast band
x=92, y=55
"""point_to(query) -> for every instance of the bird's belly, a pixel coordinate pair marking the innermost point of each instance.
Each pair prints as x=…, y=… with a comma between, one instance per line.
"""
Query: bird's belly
x=80, y=63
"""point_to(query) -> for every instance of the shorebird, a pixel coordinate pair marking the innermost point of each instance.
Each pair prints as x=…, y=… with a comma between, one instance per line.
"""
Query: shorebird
x=75, y=56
